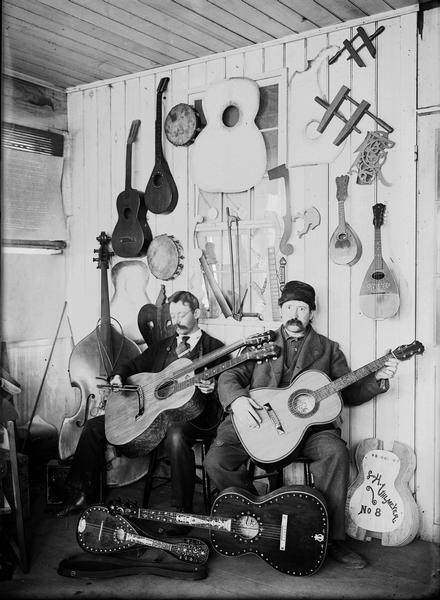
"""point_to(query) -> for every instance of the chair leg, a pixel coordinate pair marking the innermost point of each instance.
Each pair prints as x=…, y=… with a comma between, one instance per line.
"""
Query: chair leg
x=22, y=553
x=205, y=480
x=149, y=477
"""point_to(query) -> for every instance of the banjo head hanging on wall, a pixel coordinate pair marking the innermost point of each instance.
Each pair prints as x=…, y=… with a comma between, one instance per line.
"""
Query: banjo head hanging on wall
x=182, y=125
x=229, y=154
x=165, y=257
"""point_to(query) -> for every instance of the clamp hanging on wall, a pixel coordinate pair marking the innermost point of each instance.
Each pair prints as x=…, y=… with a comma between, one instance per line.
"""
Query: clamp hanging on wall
x=354, y=52
x=361, y=110
x=237, y=301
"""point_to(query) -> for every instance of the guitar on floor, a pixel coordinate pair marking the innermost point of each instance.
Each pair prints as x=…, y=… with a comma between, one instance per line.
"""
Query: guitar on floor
x=311, y=399
x=138, y=415
x=100, y=532
x=345, y=247
x=288, y=528
x=161, y=193
x=132, y=234
x=379, y=296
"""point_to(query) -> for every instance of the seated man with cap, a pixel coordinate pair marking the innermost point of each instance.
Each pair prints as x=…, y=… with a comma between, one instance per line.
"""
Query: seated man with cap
x=302, y=348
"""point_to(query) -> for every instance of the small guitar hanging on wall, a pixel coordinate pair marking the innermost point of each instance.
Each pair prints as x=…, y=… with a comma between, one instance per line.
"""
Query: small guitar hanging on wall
x=229, y=154
x=379, y=502
x=161, y=192
x=345, y=247
x=379, y=295
x=132, y=234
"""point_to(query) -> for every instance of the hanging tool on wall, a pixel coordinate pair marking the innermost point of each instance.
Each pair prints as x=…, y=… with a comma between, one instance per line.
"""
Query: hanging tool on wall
x=354, y=52
x=237, y=301
x=281, y=171
x=361, y=110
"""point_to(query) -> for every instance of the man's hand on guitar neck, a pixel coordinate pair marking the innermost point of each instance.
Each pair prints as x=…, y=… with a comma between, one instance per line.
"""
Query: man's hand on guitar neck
x=245, y=410
x=116, y=381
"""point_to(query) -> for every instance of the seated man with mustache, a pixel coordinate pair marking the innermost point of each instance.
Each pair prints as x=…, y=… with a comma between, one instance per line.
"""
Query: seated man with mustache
x=302, y=348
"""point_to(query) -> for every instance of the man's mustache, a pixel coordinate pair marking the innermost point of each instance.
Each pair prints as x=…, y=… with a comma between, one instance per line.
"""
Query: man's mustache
x=295, y=322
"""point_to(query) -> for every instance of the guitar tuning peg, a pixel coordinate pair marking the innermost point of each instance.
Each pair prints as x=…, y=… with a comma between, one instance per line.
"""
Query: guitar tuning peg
x=259, y=362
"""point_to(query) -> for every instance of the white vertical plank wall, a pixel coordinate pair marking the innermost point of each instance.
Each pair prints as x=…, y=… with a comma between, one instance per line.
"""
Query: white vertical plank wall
x=99, y=119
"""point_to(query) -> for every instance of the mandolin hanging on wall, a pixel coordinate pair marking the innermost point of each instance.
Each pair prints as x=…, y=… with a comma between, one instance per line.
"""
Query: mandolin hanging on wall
x=161, y=192
x=345, y=247
x=379, y=296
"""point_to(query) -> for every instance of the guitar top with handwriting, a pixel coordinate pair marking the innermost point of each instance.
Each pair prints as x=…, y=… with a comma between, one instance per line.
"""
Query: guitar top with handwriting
x=100, y=532
x=311, y=399
x=288, y=528
x=138, y=415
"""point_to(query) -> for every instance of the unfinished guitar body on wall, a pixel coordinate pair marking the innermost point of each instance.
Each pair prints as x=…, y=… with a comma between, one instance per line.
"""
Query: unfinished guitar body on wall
x=99, y=118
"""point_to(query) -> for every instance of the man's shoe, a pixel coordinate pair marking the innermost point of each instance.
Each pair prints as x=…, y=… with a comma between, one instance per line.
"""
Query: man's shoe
x=339, y=551
x=73, y=507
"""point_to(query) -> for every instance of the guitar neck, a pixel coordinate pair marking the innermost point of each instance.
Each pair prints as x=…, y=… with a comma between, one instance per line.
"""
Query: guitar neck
x=273, y=283
x=349, y=378
x=128, y=167
x=203, y=521
x=208, y=358
x=145, y=541
x=158, y=126
x=341, y=213
x=378, y=259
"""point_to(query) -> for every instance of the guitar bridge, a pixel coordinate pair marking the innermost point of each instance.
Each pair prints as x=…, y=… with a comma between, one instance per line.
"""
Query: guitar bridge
x=273, y=417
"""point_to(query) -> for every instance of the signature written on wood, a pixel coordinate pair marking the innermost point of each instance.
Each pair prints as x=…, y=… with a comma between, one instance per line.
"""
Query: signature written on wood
x=379, y=493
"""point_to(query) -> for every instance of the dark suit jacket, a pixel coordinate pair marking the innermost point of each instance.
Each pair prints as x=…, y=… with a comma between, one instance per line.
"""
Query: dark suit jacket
x=318, y=353
x=153, y=360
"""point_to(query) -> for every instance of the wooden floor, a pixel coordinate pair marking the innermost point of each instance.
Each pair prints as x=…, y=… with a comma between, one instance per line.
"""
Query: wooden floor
x=408, y=572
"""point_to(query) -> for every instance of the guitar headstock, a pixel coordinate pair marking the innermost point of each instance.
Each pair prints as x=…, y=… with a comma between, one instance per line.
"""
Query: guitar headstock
x=260, y=338
x=133, y=131
x=378, y=214
x=406, y=352
x=163, y=84
x=266, y=351
x=104, y=254
x=342, y=187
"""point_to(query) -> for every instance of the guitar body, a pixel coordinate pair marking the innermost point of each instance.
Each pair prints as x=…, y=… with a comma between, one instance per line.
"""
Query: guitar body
x=379, y=295
x=379, y=502
x=229, y=156
x=99, y=532
x=132, y=234
x=161, y=193
x=288, y=528
x=296, y=410
x=138, y=435
x=345, y=247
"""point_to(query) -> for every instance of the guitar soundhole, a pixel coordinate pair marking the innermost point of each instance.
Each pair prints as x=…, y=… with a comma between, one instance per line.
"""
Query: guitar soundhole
x=247, y=527
x=165, y=389
x=378, y=275
x=342, y=241
x=157, y=179
x=127, y=212
x=302, y=404
x=230, y=116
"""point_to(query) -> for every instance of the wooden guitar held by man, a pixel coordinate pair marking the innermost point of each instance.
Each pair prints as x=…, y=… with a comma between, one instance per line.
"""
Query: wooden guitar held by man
x=253, y=394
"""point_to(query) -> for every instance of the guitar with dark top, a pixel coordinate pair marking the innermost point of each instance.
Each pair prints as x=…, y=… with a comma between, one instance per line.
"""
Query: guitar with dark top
x=288, y=528
x=345, y=247
x=138, y=415
x=132, y=234
x=379, y=296
x=161, y=192
x=100, y=532
x=311, y=399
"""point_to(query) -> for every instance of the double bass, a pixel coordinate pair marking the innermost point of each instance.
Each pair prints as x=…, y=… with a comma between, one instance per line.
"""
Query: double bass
x=91, y=362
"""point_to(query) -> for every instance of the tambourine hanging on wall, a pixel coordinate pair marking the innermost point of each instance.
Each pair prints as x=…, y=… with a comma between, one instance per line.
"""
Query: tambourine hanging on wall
x=165, y=257
x=182, y=125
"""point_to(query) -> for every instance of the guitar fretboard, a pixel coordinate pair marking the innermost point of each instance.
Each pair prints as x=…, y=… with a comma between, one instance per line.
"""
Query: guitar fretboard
x=346, y=380
x=164, y=516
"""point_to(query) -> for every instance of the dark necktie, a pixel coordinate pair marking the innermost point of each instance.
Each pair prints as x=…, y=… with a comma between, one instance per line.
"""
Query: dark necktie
x=183, y=346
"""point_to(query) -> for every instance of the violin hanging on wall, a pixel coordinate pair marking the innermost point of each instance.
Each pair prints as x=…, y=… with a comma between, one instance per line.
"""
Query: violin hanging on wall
x=132, y=234
x=161, y=192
